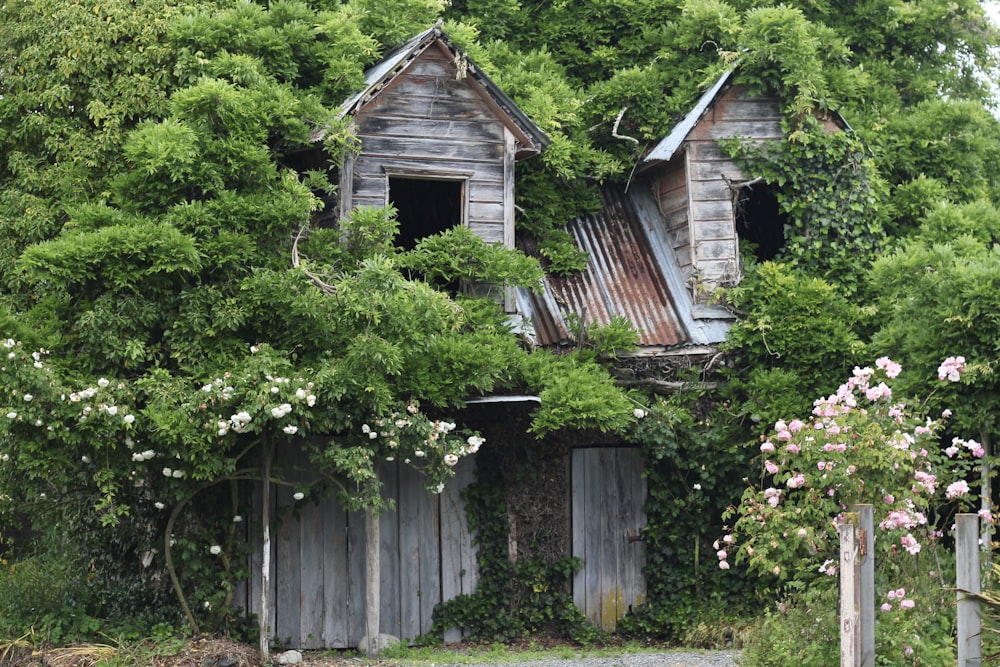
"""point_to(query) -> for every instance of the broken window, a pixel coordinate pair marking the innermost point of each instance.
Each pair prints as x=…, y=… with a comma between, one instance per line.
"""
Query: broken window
x=760, y=224
x=425, y=207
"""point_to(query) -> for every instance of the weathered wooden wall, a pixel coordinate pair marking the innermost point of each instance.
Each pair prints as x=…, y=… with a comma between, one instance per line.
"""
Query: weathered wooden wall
x=428, y=122
x=671, y=194
x=609, y=492
x=318, y=562
x=711, y=225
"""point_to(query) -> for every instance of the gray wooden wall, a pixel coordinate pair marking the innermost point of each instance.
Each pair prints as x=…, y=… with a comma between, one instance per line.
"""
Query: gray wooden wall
x=317, y=562
x=430, y=123
x=713, y=247
x=609, y=493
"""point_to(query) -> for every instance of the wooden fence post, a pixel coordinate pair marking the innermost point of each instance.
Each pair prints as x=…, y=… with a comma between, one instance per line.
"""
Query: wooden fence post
x=967, y=581
x=850, y=594
x=866, y=581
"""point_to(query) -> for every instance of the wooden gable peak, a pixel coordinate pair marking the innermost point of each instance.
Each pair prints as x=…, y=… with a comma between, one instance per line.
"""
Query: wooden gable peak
x=531, y=139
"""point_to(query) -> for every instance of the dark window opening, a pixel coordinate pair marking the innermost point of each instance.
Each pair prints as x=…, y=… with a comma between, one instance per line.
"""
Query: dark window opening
x=760, y=222
x=424, y=207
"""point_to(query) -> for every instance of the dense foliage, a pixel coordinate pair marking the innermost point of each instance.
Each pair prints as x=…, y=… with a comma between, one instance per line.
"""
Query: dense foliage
x=167, y=311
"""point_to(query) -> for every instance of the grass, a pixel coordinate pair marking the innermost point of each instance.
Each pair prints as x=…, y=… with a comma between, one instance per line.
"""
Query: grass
x=416, y=656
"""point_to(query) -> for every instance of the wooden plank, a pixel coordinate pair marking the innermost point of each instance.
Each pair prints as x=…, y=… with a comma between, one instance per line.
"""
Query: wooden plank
x=409, y=550
x=967, y=580
x=578, y=527
x=754, y=109
x=755, y=129
x=444, y=129
x=490, y=232
x=487, y=212
x=356, y=577
x=715, y=250
x=428, y=148
x=711, y=210
x=715, y=171
x=312, y=617
x=461, y=104
x=371, y=166
x=614, y=540
x=336, y=587
x=286, y=568
x=457, y=563
x=714, y=230
x=390, y=591
x=429, y=591
x=593, y=551
x=712, y=190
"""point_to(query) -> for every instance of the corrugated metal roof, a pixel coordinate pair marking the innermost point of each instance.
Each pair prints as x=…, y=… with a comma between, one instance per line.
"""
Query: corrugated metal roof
x=631, y=273
x=380, y=74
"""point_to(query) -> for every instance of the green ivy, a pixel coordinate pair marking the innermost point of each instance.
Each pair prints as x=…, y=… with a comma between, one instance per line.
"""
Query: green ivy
x=830, y=191
x=511, y=600
x=693, y=461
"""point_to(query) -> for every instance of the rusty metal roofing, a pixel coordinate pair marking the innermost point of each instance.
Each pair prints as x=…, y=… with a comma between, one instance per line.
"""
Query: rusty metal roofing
x=632, y=272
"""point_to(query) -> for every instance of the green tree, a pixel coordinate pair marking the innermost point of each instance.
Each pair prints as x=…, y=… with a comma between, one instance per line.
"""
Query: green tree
x=184, y=320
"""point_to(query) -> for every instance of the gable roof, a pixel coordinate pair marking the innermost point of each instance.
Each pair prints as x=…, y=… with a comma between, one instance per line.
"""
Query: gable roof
x=668, y=146
x=377, y=77
x=632, y=272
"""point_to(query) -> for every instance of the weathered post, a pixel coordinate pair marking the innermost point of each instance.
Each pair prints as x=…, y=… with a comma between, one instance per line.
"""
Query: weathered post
x=850, y=594
x=967, y=581
x=264, y=620
x=866, y=582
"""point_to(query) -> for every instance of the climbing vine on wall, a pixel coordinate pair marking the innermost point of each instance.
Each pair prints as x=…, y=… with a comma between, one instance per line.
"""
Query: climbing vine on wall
x=693, y=458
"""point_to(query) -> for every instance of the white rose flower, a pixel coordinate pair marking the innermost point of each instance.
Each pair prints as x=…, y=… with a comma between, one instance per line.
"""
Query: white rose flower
x=129, y=419
x=291, y=429
x=11, y=415
x=310, y=400
x=215, y=550
x=112, y=410
x=85, y=458
x=450, y=459
x=103, y=382
x=419, y=453
x=158, y=505
x=27, y=398
x=177, y=474
x=237, y=518
x=298, y=495
x=638, y=413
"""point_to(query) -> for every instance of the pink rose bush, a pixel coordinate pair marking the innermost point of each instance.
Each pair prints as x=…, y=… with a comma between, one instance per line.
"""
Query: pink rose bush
x=861, y=445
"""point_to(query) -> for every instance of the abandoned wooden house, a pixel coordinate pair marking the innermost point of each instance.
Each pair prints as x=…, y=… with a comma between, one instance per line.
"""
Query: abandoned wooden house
x=439, y=141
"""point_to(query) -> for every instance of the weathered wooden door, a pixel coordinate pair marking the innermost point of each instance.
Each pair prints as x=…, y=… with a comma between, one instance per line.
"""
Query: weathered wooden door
x=608, y=517
x=317, y=556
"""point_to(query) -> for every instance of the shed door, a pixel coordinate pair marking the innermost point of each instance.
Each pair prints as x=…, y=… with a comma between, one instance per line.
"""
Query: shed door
x=608, y=517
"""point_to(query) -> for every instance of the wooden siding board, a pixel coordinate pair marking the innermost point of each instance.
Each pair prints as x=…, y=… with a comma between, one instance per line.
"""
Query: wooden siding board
x=390, y=565
x=714, y=171
x=430, y=553
x=715, y=230
x=704, y=211
x=427, y=148
x=409, y=573
x=716, y=189
x=724, y=251
x=312, y=621
x=336, y=589
x=356, y=577
x=578, y=509
x=287, y=598
x=756, y=129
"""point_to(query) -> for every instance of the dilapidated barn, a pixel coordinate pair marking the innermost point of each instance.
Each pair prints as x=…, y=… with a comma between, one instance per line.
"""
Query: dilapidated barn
x=439, y=141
